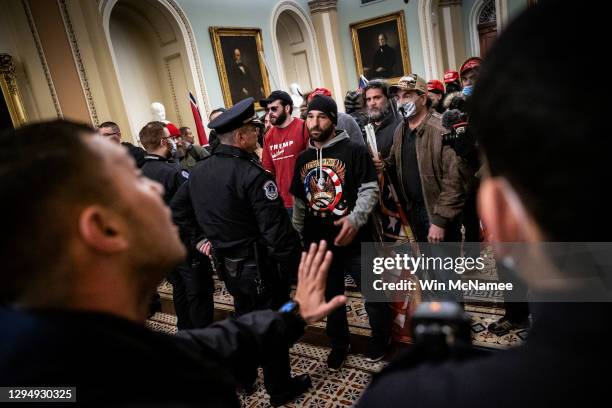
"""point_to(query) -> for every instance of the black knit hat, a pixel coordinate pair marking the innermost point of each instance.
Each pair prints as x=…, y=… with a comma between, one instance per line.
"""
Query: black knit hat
x=326, y=105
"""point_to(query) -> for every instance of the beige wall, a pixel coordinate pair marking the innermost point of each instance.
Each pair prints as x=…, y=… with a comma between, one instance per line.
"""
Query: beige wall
x=50, y=26
x=136, y=65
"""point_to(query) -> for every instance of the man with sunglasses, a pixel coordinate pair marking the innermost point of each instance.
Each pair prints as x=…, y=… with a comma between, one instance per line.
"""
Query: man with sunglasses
x=283, y=143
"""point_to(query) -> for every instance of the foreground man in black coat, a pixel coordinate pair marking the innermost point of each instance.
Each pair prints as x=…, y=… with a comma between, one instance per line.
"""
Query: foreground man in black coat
x=548, y=160
x=85, y=242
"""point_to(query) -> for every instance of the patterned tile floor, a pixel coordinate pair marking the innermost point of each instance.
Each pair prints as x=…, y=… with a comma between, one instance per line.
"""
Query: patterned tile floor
x=343, y=388
x=481, y=316
x=340, y=389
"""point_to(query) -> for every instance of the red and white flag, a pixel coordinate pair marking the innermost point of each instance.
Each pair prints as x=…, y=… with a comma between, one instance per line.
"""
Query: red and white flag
x=198, y=120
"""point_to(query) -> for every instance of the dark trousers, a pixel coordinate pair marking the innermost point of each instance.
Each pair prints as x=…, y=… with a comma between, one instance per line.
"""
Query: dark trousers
x=419, y=220
x=379, y=314
x=192, y=293
x=515, y=311
x=179, y=298
x=200, y=289
x=470, y=219
x=247, y=298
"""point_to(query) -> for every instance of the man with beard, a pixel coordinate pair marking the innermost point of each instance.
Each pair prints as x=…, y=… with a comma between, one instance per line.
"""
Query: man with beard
x=541, y=149
x=381, y=114
x=283, y=142
x=427, y=170
x=345, y=121
x=435, y=93
x=386, y=222
x=192, y=152
x=335, y=190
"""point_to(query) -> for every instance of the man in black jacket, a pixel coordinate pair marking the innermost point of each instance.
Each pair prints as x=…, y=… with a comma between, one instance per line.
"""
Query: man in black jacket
x=86, y=242
x=235, y=204
x=548, y=162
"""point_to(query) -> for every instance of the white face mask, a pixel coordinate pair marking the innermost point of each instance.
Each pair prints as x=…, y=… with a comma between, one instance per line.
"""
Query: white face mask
x=172, y=147
x=407, y=110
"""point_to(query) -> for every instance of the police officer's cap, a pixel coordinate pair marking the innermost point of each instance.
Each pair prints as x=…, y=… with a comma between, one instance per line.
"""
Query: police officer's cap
x=237, y=116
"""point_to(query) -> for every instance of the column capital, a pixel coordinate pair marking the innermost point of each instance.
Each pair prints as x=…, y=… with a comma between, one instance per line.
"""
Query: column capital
x=447, y=3
x=319, y=6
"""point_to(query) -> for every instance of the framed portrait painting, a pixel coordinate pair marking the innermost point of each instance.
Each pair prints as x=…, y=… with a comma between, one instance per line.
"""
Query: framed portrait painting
x=240, y=63
x=380, y=47
x=12, y=111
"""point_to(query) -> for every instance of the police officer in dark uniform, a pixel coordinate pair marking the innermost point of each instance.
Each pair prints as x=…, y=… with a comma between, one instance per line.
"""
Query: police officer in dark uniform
x=155, y=138
x=238, y=208
x=158, y=166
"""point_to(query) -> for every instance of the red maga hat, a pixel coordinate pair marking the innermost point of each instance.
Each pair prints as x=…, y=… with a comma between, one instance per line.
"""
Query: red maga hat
x=319, y=91
x=470, y=63
x=174, y=131
x=435, y=86
x=451, y=76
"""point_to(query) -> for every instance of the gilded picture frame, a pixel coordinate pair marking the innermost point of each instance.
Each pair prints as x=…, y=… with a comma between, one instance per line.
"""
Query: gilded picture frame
x=240, y=63
x=10, y=91
x=368, y=51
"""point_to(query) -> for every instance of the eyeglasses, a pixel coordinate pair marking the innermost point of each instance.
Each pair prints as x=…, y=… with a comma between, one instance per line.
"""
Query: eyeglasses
x=273, y=108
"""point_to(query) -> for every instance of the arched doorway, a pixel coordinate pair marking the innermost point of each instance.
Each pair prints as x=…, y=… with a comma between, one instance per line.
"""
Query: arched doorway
x=153, y=60
x=486, y=19
x=487, y=27
x=295, y=48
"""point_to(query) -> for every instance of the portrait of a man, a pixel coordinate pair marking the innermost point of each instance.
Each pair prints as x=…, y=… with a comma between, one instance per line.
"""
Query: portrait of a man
x=384, y=59
x=380, y=46
x=240, y=65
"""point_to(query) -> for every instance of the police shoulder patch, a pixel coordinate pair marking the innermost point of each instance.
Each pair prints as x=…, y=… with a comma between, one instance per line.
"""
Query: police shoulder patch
x=271, y=190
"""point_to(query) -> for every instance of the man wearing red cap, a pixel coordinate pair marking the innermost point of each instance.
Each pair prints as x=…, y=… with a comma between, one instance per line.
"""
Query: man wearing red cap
x=453, y=88
x=427, y=170
x=469, y=72
x=451, y=81
x=435, y=92
x=345, y=121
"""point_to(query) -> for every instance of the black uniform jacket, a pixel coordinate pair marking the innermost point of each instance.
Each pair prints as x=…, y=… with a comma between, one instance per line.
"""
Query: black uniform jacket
x=115, y=362
x=167, y=173
x=564, y=363
x=236, y=203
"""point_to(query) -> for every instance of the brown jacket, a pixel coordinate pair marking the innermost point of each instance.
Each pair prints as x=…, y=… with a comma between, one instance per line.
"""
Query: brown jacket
x=443, y=187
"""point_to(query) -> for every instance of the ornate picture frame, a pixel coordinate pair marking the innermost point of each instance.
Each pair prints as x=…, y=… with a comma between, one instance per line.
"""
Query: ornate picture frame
x=10, y=91
x=391, y=55
x=240, y=63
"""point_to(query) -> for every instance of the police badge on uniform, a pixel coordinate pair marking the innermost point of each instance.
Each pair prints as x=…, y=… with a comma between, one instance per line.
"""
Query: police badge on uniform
x=271, y=190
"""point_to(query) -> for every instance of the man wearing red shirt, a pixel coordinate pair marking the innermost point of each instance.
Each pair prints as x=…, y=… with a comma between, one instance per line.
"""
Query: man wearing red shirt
x=283, y=143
